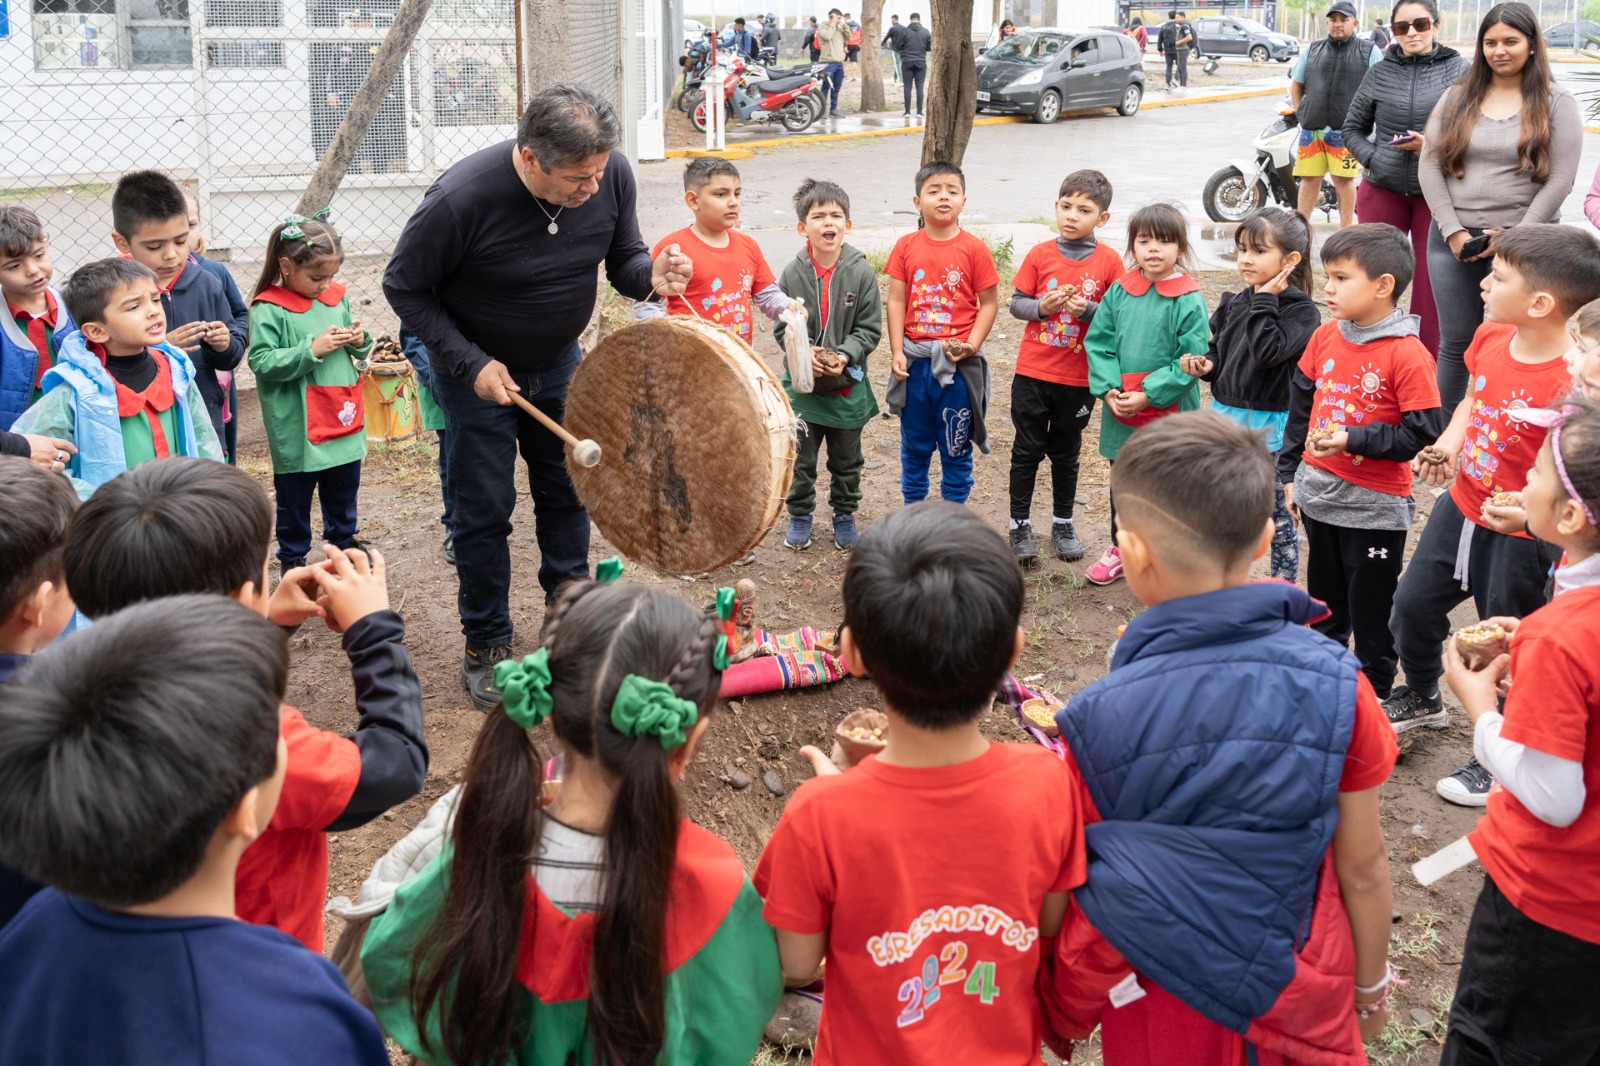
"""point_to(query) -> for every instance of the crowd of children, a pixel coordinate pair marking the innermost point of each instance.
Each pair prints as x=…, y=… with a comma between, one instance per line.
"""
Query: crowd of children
x=1198, y=869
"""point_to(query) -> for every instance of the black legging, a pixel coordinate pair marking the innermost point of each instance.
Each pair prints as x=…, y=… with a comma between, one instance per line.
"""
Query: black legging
x=913, y=72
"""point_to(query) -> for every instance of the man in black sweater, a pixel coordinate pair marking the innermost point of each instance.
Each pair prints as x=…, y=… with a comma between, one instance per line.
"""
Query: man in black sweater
x=496, y=273
x=914, y=59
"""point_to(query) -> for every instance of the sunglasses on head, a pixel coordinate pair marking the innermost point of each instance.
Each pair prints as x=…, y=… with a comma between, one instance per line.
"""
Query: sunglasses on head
x=1421, y=25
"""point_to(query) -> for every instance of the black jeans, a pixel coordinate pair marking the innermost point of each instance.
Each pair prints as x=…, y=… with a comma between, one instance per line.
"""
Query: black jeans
x=1505, y=576
x=483, y=455
x=337, y=488
x=1458, y=299
x=1354, y=572
x=1179, y=58
x=845, y=463
x=913, y=72
x=1526, y=992
x=1049, y=418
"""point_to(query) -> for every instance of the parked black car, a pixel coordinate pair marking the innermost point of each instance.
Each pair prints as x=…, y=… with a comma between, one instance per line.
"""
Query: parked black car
x=1225, y=35
x=1043, y=72
x=1560, y=35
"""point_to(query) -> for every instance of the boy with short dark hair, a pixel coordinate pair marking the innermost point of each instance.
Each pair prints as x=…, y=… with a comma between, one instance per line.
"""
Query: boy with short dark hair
x=35, y=315
x=179, y=527
x=932, y=953
x=844, y=321
x=943, y=298
x=131, y=783
x=730, y=273
x=34, y=604
x=118, y=391
x=1362, y=403
x=1230, y=764
x=150, y=217
x=1057, y=291
x=1476, y=543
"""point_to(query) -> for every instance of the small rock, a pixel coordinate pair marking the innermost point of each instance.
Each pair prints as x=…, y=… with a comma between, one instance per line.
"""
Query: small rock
x=738, y=780
x=1083, y=499
x=1420, y=830
x=875, y=464
x=739, y=761
x=1423, y=1018
x=388, y=816
x=773, y=782
x=1069, y=674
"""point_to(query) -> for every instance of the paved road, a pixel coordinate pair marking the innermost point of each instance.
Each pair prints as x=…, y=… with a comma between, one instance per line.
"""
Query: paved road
x=1013, y=171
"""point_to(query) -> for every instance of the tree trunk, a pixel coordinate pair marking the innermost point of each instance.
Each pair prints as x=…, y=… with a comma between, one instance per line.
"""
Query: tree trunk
x=952, y=83
x=871, y=55
x=375, y=86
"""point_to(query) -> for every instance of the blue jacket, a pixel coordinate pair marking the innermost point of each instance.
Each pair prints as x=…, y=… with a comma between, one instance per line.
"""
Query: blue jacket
x=96, y=427
x=198, y=296
x=1213, y=752
x=19, y=363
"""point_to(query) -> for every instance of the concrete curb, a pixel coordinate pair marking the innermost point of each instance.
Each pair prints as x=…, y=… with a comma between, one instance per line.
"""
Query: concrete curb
x=742, y=150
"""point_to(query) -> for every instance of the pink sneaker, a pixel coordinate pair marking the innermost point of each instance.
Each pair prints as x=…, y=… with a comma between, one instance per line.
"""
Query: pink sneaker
x=1106, y=569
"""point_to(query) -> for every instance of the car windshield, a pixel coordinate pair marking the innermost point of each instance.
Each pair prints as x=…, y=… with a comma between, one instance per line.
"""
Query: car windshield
x=1031, y=47
x=1252, y=26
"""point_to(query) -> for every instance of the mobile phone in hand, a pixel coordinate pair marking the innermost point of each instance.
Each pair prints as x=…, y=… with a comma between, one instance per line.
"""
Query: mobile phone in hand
x=1475, y=247
x=1402, y=139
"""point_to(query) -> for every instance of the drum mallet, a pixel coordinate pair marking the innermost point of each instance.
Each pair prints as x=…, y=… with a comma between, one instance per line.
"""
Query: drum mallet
x=585, y=453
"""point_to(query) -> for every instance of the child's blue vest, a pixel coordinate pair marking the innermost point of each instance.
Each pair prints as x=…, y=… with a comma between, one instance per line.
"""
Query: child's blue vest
x=19, y=363
x=97, y=428
x=1213, y=751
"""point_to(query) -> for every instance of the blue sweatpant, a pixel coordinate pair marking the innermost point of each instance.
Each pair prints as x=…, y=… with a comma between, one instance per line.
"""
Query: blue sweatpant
x=935, y=417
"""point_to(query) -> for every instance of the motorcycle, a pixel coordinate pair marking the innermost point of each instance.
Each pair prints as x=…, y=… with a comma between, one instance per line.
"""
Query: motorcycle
x=1243, y=187
x=790, y=101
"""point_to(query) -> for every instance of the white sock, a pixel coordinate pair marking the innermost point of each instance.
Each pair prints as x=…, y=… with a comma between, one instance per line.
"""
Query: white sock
x=1062, y=521
x=1015, y=523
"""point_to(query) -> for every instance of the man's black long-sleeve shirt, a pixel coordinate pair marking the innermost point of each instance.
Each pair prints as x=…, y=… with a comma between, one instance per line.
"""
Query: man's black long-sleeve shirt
x=477, y=276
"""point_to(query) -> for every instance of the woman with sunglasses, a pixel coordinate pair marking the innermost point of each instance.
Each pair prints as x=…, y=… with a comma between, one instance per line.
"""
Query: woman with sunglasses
x=1383, y=130
x=1500, y=150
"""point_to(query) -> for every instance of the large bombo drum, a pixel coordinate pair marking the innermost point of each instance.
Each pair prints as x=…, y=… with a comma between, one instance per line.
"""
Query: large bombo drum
x=698, y=444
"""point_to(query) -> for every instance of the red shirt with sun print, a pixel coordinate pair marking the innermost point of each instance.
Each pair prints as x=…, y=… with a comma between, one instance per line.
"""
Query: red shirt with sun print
x=723, y=281
x=1499, y=447
x=1362, y=384
x=943, y=279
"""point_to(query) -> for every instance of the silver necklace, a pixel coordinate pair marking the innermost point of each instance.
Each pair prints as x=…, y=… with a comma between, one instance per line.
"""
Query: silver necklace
x=552, y=228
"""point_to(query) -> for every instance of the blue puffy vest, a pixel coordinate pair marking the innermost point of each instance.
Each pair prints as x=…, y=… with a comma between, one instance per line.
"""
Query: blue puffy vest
x=1213, y=752
x=19, y=363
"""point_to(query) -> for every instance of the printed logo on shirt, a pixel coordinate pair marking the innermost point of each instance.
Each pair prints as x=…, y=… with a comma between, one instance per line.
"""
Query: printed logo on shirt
x=957, y=430
x=347, y=413
x=931, y=299
x=729, y=306
x=1490, y=431
x=850, y=299
x=1340, y=404
x=950, y=966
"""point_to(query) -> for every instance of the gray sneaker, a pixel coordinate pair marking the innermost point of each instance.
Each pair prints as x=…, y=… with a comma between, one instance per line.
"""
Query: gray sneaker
x=1407, y=709
x=1069, y=549
x=1022, y=545
x=845, y=534
x=799, y=536
x=477, y=675
x=1468, y=786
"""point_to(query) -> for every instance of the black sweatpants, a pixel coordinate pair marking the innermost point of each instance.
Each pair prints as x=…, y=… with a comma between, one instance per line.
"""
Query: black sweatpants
x=1526, y=992
x=1354, y=572
x=1505, y=576
x=1049, y=418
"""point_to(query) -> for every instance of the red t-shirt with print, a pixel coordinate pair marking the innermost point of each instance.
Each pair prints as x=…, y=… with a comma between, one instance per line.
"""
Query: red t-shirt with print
x=943, y=280
x=932, y=957
x=723, y=281
x=1052, y=350
x=1363, y=384
x=282, y=880
x=1500, y=447
x=1551, y=874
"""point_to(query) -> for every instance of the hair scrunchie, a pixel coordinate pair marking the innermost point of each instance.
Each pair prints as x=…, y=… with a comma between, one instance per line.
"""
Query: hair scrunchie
x=650, y=708
x=292, y=224
x=726, y=630
x=607, y=571
x=525, y=688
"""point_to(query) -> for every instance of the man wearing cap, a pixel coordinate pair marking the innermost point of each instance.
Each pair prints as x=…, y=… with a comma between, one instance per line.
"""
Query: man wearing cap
x=1322, y=84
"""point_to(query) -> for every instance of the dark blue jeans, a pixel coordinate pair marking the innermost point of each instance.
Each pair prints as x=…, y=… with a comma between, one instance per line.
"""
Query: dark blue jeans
x=422, y=365
x=482, y=470
x=337, y=487
x=832, y=82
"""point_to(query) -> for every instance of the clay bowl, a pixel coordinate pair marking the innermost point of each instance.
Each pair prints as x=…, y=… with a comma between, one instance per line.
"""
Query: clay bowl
x=863, y=732
x=1041, y=714
x=1481, y=644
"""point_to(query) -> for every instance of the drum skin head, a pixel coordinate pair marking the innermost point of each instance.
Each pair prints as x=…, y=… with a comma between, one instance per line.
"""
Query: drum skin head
x=697, y=441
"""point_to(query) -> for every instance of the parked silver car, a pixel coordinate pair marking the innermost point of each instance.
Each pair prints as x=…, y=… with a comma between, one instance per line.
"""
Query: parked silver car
x=1226, y=35
x=1043, y=72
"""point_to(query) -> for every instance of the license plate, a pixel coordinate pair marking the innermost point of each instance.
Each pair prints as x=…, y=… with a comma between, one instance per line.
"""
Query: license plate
x=983, y=98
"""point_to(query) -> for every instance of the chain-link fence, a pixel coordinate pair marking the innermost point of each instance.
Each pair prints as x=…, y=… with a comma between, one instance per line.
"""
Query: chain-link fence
x=239, y=99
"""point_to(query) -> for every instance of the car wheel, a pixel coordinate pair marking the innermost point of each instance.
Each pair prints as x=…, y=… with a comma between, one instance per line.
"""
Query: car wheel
x=1049, y=107
x=1285, y=59
x=1259, y=54
x=1131, y=97
x=1227, y=199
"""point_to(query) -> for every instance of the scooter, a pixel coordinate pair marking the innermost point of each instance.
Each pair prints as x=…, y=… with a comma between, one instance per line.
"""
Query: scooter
x=786, y=100
x=1243, y=187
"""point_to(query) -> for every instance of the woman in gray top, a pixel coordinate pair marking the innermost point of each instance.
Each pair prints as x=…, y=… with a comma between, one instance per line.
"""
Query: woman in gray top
x=1383, y=130
x=1501, y=150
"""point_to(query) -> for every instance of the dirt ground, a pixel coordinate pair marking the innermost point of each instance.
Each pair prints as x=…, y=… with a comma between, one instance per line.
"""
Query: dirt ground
x=1070, y=625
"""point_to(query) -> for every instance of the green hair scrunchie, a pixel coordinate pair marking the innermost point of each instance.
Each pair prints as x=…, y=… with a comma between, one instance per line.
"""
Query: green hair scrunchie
x=607, y=571
x=650, y=708
x=525, y=688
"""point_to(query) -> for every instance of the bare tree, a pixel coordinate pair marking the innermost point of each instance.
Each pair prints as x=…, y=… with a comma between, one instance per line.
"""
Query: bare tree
x=871, y=55
x=952, y=83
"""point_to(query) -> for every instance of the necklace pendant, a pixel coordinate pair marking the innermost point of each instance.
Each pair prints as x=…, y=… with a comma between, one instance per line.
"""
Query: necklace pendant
x=552, y=228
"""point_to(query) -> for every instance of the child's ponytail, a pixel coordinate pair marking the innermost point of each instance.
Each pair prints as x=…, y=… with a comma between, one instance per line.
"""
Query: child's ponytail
x=1286, y=230
x=299, y=240
x=599, y=640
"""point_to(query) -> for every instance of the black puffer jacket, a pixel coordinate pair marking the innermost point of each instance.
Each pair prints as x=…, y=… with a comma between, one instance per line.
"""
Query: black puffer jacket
x=1397, y=95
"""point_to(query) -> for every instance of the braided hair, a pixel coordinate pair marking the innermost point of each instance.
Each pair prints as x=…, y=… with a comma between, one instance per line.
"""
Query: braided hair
x=465, y=964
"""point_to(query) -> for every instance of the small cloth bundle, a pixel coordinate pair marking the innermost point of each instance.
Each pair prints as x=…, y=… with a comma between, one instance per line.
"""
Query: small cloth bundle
x=797, y=350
